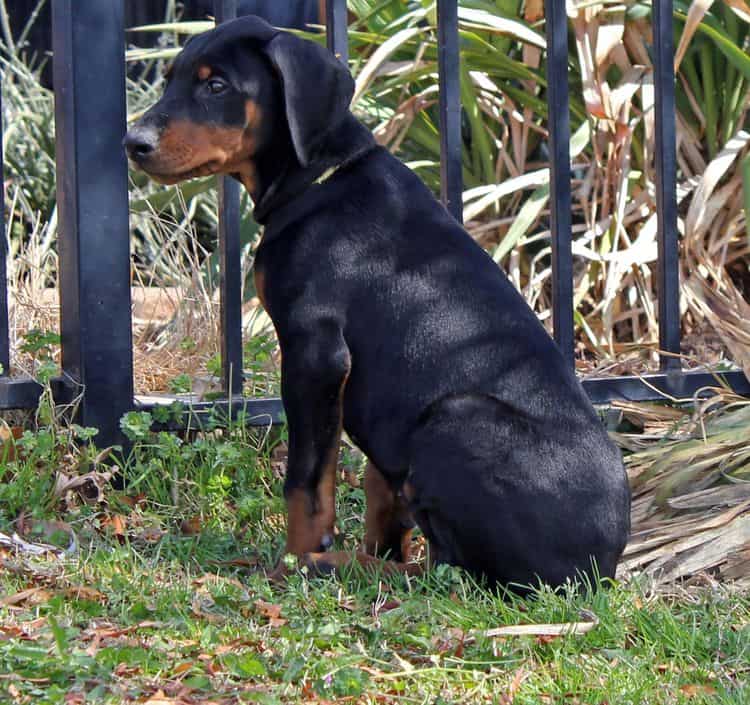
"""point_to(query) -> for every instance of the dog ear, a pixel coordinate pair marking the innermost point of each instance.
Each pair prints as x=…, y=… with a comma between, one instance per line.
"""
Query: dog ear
x=317, y=91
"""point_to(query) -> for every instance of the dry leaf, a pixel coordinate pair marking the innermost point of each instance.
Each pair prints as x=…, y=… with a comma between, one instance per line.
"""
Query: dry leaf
x=16, y=543
x=159, y=698
x=116, y=524
x=82, y=592
x=89, y=486
x=124, y=670
x=698, y=9
x=192, y=526
x=8, y=437
x=694, y=691
x=515, y=685
x=553, y=630
x=34, y=596
x=272, y=612
x=183, y=668
x=268, y=609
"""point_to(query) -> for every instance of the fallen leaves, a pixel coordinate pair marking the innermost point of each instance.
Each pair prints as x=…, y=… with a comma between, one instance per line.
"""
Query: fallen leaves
x=31, y=596
x=697, y=691
x=88, y=486
x=105, y=634
x=691, y=510
x=160, y=698
x=8, y=437
x=271, y=612
x=191, y=526
x=115, y=524
x=15, y=543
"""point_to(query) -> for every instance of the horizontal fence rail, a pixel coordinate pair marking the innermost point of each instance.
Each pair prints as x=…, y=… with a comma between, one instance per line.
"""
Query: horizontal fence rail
x=97, y=359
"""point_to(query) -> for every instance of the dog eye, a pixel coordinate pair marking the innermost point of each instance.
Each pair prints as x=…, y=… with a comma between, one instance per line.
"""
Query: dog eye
x=216, y=85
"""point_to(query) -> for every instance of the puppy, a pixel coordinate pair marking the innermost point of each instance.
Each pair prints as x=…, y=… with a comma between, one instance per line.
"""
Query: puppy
x=393, y=325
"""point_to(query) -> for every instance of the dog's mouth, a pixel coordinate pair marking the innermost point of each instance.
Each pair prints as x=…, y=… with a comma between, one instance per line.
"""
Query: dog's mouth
x=169, y=178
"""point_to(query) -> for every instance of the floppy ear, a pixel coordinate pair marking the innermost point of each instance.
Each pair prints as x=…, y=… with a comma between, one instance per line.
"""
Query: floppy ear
x=317, y=91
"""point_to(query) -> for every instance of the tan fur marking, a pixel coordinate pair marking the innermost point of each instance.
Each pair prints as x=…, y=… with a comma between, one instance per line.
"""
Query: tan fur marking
x=188, y=150
x=204, y=72
x=323, y=562
x=259, y=277
x=306, y=528
x=307, y=525
x=384, y=515
x=253, y=115
x=380, y=500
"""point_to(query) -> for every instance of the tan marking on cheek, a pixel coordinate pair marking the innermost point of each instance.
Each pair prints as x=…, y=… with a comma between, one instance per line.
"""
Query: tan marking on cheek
x=253, y=115
x=247, y=178
x=240, y=162
x=204, y=72
x=188, y=149
x=185, y=146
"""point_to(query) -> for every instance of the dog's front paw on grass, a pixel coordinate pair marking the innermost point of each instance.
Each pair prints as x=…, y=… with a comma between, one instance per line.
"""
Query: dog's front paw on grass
x=317, y=565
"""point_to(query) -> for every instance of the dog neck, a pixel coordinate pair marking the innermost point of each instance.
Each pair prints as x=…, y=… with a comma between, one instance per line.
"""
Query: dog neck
x=280, y=178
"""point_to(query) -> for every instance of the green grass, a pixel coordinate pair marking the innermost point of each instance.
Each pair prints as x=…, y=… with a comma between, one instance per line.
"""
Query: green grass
x=165, y=601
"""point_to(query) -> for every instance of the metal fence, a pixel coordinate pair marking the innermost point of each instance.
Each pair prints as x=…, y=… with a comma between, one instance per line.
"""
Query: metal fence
x=92, y=197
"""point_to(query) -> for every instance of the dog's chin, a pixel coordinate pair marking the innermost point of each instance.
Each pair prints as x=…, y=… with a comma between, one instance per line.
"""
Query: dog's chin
x=175, y=177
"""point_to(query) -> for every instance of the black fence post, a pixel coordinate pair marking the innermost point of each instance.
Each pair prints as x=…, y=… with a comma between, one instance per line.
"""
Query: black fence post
x=668, y=275
x=449, y=77
x=4, y=323
x=337, y=36
x=92, y=197
x=230, y=260
x=558, y=121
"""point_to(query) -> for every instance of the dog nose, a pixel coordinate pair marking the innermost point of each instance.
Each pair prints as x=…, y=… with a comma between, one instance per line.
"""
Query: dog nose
x=140, y=142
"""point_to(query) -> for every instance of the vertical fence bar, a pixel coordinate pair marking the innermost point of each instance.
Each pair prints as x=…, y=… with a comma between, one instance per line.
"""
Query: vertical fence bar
x=668, y=275
x=229, y=256
x=558, y=121
x=336, y=29
x=92, y=198
x=449, y=66
x=4, y=334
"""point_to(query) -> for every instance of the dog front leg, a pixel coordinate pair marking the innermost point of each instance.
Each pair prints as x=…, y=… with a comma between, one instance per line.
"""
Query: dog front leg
x=315, y=367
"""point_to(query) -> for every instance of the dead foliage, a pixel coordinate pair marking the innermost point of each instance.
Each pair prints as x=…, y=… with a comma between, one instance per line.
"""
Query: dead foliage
x=690, y=475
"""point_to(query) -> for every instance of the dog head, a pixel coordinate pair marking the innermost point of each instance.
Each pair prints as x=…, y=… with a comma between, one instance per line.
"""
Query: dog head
x=231, y=94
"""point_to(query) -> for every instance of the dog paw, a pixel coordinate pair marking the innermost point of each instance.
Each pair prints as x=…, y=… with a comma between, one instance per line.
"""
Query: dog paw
x=317, y=565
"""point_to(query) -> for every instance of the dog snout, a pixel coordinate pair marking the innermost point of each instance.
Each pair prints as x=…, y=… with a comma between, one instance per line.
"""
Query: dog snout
x=141, y=142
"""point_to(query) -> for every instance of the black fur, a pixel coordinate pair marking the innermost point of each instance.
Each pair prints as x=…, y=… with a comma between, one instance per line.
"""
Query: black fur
x=451, y=386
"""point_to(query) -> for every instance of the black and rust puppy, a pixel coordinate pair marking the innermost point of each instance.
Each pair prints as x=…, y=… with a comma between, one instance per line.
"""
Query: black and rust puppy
x=392, y=323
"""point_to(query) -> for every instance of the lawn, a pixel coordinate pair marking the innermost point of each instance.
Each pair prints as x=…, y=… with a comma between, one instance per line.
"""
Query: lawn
x=157, y=594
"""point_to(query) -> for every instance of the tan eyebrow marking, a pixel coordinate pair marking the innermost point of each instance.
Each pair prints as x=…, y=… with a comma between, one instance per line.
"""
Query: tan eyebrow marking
x=204, y=72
